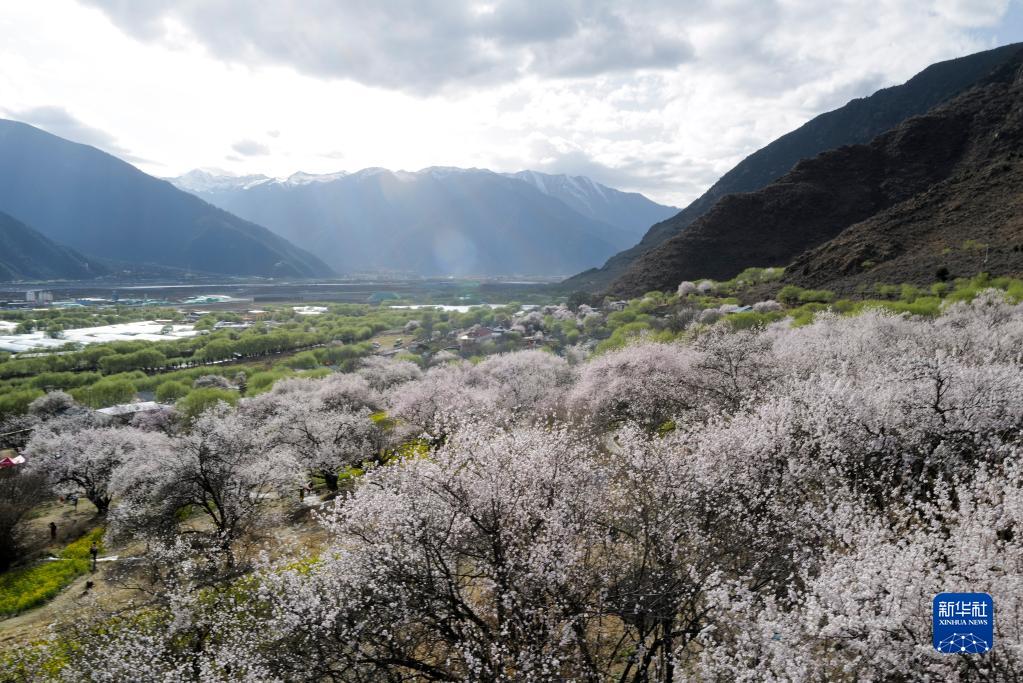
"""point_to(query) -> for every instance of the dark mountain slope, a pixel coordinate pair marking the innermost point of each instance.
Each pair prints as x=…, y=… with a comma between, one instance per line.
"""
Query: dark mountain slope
x=100, y=205
x=913, y=185
x=27, y=254
x=857, y=122
x=968, y=223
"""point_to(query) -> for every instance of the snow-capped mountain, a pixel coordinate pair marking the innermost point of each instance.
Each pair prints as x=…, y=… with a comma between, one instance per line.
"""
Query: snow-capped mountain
x=628, y=210
x=202, y=180
x=302, y=178
x=439, y=220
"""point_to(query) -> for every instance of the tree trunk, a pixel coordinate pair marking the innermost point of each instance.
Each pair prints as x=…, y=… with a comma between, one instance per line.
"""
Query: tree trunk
x=102, y=504
x=668, y=650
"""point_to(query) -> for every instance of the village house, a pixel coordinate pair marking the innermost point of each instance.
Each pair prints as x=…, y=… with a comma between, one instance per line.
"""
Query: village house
x=475, y=335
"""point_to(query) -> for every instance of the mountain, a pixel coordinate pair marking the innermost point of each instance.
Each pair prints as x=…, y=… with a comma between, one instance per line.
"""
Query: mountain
x=857, y=122
x=438, y=221
x=201, y=180
x=971, y=221
x=212, y=181
x=629, y=211
x=102, y=206
x=940, y=195
x=27, y=254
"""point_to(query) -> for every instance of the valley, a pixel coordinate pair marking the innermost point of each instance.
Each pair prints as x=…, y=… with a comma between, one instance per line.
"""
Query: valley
x=514, y=415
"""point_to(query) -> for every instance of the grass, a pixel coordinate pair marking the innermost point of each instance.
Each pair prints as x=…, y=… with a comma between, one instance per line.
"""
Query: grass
x=28, y=587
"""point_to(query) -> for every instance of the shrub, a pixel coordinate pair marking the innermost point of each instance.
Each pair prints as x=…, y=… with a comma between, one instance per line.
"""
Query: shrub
x=925, y=306
x=789, y=294
x=106, y=392
x=623, y=335
x=199, y=400
x=822, y=296
x=910, y=293
x=887, y=291
x=17, y=402
x=63, y=380
x=804, y=315
x=302, y=361
x=262, y=381
x=1015, y=291
x=143, y=358
x=171, y=391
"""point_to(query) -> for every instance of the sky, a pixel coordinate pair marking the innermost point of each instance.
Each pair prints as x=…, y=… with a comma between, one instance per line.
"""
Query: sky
x=655, y=96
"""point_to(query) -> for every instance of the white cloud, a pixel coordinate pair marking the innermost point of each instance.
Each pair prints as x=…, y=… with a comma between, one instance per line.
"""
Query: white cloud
x=975, y=13
x=656, y=96
x=422, y=46
x=250, y=148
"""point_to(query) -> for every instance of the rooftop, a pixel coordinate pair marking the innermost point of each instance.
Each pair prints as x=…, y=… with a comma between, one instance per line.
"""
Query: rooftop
x=131, y=408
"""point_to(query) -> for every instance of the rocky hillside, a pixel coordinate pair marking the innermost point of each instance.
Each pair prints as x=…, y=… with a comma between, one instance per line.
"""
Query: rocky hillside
x=938, y=196
x=970, y=222
x=857, y=122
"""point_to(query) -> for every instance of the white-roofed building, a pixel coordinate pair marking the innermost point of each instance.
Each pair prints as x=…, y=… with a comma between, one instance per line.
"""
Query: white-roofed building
x=126, y=410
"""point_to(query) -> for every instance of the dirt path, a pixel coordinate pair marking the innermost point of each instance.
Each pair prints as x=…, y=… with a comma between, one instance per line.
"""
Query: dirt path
x=72, y=603
x=72, y=523
x=299, y=537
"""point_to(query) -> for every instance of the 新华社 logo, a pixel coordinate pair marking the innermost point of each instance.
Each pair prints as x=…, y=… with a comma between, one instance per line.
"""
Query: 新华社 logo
x=964, y=623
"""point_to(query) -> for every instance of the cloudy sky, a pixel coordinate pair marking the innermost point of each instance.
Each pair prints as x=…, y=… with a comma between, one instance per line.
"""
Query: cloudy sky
x=657, y=96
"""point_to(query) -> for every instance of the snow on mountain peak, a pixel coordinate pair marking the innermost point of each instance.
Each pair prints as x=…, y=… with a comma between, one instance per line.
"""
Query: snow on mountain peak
x=584, y=189
x=215, y=180
x=303, y=178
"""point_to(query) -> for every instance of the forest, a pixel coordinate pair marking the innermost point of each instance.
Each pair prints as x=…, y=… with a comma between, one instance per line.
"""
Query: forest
x=773, y=501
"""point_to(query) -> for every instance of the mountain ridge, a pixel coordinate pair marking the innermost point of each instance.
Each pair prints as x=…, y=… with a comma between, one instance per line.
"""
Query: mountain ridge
x=903, y=208
x=856, y=122
x=376, y=219
x=27, y=254
x=93, y=202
